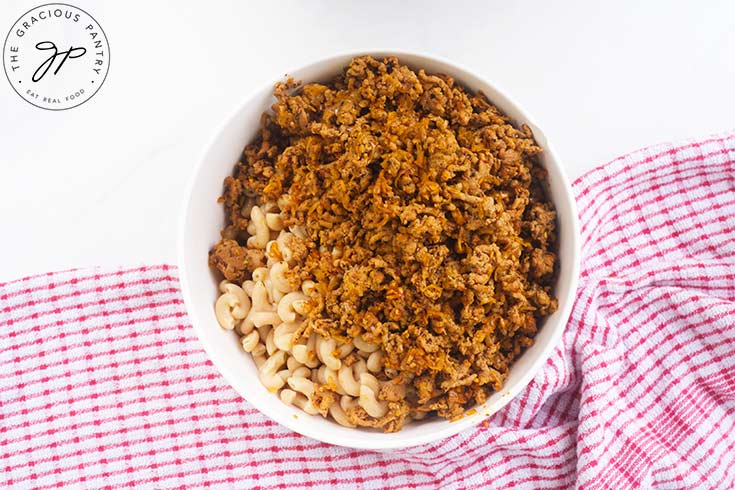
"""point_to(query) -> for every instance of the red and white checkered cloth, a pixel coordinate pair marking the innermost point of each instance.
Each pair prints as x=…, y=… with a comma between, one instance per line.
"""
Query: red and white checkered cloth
x=104, y=385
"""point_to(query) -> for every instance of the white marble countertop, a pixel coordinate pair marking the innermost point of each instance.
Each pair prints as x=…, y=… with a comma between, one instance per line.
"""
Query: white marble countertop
x=102, y=184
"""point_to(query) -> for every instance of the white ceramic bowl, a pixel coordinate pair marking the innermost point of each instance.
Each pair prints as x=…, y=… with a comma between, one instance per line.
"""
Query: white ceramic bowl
x=203, y=218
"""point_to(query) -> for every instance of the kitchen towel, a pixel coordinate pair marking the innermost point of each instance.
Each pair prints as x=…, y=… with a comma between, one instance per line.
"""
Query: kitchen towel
x=104, y=385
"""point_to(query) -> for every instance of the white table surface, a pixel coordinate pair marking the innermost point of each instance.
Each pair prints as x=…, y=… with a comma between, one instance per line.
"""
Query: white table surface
x=102, y=184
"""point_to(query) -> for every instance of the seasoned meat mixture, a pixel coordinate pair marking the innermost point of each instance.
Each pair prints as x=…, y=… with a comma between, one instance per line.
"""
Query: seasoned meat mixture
x=424, y=225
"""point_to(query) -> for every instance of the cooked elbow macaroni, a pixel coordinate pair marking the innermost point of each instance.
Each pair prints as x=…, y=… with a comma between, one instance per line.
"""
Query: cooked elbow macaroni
x=369, y=389
x=268, y=311
x=262, y=232
x=232, y=305
x=291, y=305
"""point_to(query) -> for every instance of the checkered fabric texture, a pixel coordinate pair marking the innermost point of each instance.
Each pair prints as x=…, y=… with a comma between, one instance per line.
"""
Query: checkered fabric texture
x=104, y=385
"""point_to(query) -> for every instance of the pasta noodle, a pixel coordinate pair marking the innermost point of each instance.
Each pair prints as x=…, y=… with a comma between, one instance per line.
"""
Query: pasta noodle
x=365, y=346
x=292, y=363
x=325, y=350
x=301, y=372
x=278, y=278
x=263, y=318
x=223, y=311
x=340, y=416
x=349, y=377
x=262, y=233
x=297, y=399
x=284, y=250
x=269, y=371
x=274, y=221
x=283, y=335
x=270, y=345
x=369, y=389
x=250, y=341
x=232, y=305
x=242, y=306
x=343, y=350
x=258, y=350
x=305, y=353
x=375, y=362
x=328, y=377
x=289, y=304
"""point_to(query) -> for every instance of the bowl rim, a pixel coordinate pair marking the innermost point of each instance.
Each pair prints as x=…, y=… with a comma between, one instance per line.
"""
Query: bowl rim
x=465, y=422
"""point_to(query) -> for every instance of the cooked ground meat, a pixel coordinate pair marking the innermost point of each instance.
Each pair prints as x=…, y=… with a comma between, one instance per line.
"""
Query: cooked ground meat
x=235, y=261
x=323, y=399
x=427, y=227
x=392, y=421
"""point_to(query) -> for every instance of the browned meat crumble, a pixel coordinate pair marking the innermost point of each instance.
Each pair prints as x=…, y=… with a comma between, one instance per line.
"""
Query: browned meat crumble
x=428, y=229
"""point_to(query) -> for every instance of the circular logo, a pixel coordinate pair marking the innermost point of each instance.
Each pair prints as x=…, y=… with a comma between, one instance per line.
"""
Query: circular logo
x=56, y=56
